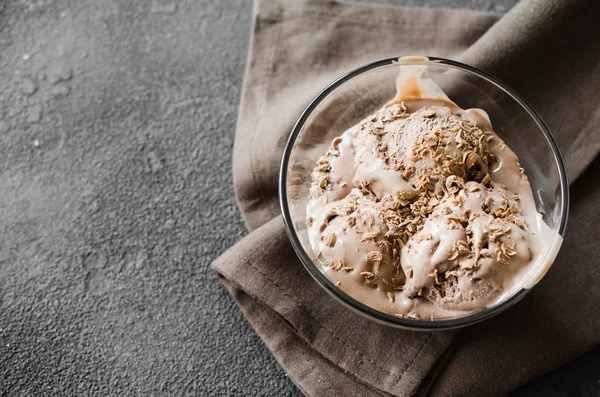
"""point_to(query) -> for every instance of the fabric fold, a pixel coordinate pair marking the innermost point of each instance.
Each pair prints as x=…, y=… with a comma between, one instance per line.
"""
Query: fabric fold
x=546, y=51
x=350, y=341
x=311, y=372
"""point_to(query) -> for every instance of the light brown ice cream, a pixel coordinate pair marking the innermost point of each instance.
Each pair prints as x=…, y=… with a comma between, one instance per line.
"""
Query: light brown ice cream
x=422, y=211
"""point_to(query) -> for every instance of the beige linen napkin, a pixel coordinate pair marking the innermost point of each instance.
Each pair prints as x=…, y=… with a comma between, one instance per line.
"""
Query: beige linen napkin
x=546, y=49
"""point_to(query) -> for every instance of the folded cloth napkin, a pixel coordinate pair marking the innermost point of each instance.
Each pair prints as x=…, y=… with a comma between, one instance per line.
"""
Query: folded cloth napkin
x=547, y=50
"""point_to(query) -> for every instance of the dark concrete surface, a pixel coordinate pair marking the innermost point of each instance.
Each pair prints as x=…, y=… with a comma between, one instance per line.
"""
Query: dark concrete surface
x=116, y=127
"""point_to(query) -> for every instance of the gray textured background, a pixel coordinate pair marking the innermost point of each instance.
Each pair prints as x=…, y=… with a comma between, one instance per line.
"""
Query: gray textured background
x=116, y=127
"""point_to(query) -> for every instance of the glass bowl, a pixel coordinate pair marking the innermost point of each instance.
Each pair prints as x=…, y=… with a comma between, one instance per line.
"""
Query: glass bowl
x=359, y=93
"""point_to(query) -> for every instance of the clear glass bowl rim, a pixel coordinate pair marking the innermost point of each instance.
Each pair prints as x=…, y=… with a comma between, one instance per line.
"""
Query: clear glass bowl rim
x=342, y=296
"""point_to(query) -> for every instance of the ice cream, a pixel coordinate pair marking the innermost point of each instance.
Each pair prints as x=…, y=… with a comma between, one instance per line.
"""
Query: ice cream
x=421, y=210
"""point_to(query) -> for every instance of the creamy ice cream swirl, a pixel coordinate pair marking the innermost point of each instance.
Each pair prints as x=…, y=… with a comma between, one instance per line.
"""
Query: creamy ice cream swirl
x=421, y=210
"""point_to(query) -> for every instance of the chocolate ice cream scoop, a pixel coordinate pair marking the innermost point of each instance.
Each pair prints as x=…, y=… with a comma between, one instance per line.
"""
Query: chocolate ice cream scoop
x=421, y=210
